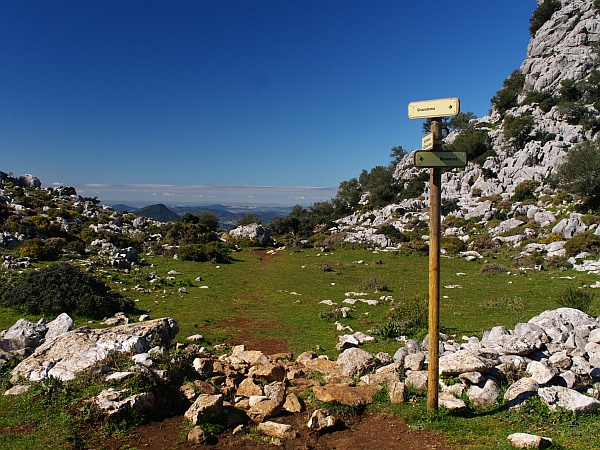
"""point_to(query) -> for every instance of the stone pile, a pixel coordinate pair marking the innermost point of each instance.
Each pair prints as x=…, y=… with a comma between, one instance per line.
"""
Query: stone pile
x=555, y=355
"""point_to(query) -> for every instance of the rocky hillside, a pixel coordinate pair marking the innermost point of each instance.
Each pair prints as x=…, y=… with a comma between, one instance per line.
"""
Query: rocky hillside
x=545, y=108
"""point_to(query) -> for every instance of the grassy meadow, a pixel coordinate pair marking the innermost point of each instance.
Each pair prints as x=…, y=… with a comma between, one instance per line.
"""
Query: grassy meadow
x=277, y=297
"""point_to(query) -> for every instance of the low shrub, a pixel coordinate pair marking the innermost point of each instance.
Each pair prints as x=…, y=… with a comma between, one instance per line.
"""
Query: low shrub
x=584, y=242
x=213, y=251
x=405, y=317
x=525, y=191
x=580, y=299
x=556, y=262
x=62, y=287
x=393, y=233
x=374, y=284
x=452, y=244
x=37, y=249
x=493, y=269
x=332, y=314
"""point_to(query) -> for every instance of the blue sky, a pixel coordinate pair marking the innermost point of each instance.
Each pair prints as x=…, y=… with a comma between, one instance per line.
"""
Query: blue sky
x=231, y=101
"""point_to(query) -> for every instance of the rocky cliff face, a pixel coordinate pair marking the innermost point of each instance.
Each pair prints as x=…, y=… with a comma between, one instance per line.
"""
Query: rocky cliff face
x=563, y=48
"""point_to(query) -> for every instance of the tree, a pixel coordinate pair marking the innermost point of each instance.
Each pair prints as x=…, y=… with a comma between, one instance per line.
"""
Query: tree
x=542, y=14
x=580, y=172
x=381, y=185
x=397, y=153
x=249, y=219
x=347, y=197
x=461, y=121
x=476, y=143
x=506, y=97
x=209, y=220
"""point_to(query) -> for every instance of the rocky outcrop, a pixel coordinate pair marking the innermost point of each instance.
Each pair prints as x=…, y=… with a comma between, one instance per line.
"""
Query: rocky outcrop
x=73, y=352
x=253, y=232
x=563, y=47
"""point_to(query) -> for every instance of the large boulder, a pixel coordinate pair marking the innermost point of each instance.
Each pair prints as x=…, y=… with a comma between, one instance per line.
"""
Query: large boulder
x=254, y=232
x=76, y=351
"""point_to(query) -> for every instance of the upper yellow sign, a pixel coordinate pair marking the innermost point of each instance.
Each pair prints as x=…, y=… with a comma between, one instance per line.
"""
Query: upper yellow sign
x=434, y=108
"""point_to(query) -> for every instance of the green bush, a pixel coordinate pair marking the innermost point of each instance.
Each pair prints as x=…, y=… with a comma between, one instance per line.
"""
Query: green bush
x=393, y=233
x=476, y=143
x=580, y=299
x=452, y=244
x=213, y=251
x=37, y=249
x=517, y=129
x=579, y=174
x=584, y=242
x=62, y=288
x=405, y=317
x=506, y=97
x=525, y=191
x=542, y=14
x=544, y=100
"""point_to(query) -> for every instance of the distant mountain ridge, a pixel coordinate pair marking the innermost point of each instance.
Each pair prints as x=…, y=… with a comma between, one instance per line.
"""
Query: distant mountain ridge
x=228, y=215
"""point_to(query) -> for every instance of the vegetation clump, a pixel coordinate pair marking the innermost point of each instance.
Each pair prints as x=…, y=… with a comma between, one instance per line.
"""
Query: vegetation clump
x=405, y=317
x=542, y=14
x=62, y=288
x=580, y=299
x=493, y=269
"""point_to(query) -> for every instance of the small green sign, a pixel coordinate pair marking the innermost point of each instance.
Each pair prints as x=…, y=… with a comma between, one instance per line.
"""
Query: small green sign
x=439, y=159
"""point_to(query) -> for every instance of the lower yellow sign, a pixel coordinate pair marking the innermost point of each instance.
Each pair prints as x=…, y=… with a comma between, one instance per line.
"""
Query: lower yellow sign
x=439, y=159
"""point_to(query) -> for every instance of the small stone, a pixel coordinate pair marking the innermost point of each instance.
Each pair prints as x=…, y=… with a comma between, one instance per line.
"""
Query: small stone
x=321, y=420
x=197, y=435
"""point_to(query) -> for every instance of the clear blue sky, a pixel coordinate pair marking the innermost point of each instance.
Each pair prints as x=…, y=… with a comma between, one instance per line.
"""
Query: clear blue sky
x=200, y=101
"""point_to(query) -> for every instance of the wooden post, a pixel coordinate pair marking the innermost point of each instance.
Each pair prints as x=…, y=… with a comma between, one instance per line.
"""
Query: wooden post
x=435, y=200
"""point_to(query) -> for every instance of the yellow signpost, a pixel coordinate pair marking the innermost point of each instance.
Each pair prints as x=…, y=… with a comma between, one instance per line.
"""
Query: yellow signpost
x=435, y=160
x=434, y=108
x=427, y=143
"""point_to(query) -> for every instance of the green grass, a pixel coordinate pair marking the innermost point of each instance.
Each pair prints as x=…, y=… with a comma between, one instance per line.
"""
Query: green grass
x=278, y=297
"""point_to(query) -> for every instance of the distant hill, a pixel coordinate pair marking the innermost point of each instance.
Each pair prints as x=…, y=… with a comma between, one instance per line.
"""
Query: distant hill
x=122, y=207
x=230, y=215
x=157, y=212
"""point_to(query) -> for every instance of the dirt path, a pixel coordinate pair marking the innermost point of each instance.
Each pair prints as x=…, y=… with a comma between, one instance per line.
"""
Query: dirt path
x=367, y=432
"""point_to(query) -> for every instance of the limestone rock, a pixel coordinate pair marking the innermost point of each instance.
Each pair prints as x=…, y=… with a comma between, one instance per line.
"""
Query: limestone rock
x=462, y=361
x=277, y=430
x=397, y=391
x=450, y=402
x=292, y=404
x=484, y=394
x=526, y=440
x=58, y=326
x=197, y=435
x=321, y=420
x=417, y=380
x=355, y=361
x=569, y=399
x=204, y=407
x=71, y=353
x=264, y=410
x=253, y=232
x=518, y=392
